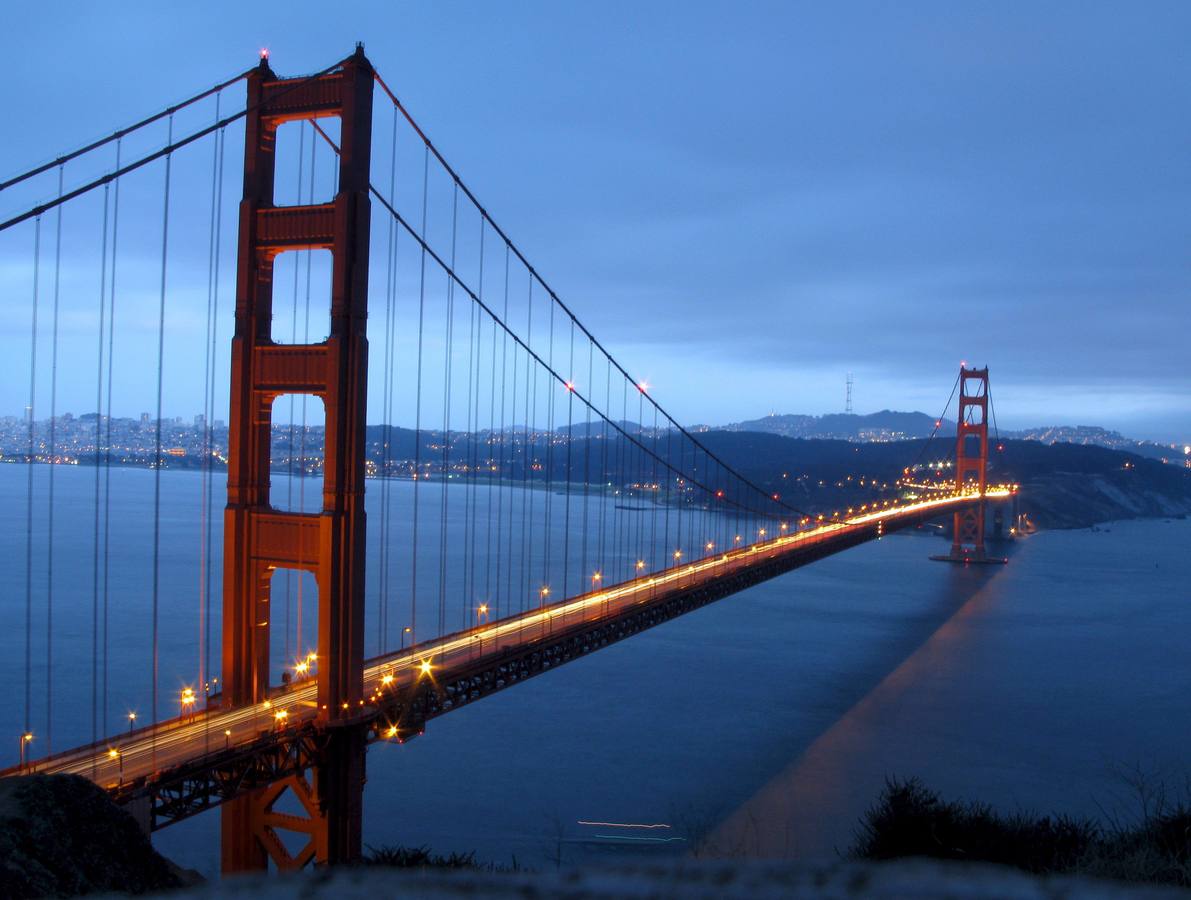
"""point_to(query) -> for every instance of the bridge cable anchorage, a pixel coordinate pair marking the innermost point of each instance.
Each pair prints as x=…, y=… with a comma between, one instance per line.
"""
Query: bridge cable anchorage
x=121, y=133
x=170, y=148
x=554, y=296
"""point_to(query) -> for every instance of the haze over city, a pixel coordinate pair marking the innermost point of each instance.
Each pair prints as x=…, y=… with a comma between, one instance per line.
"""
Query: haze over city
x=886, y=190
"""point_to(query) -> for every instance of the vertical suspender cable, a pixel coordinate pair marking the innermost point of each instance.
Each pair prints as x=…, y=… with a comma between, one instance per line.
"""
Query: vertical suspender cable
x=103, y=260
x=382, y=599
x=209, y=450
x=204, y=482
x=566, y=515
x=508, y=439
x=157, y=459
x=474, y=425
x=549, y=464
x=291, y=456
x=107, y=456
x=299, y=646
x=446, y=428
x=490, y=576
x=413, y=591
x=587, y=462
x=528, y=460
x=49, y=599
x=29, y=485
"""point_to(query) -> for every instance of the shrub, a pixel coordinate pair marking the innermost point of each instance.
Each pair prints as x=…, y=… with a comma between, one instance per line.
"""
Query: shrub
x=910, y=820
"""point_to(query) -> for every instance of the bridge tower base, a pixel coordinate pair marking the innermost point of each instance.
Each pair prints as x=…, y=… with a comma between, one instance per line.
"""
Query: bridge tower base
x=328, y=830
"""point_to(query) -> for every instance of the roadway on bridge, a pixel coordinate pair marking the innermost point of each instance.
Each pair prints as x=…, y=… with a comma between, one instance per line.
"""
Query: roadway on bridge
x=155, y=749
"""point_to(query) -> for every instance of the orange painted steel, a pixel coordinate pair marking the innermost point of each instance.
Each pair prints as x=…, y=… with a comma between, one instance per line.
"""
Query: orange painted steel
x=258, y=538
x=971, y=462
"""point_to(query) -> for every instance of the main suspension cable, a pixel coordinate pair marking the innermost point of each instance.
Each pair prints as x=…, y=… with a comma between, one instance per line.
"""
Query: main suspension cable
x=171, y=147
x=123, y=132
x=673, y=423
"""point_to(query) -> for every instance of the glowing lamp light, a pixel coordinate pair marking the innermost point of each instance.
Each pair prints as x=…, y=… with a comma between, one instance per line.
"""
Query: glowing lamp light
x=425, y=667
x=640, y=564
x=386, y=680
x=113, y=753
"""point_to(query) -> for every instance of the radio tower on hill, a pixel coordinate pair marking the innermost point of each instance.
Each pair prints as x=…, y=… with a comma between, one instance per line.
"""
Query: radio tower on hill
x=848, y=396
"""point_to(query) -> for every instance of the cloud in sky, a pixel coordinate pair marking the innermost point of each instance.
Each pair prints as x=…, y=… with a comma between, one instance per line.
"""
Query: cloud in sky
x=750, y=200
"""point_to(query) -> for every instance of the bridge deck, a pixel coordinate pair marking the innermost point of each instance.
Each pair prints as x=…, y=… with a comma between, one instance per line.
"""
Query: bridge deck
x=174, y=758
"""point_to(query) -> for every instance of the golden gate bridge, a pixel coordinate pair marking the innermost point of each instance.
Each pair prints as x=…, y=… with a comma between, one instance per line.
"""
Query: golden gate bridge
x=530, y=520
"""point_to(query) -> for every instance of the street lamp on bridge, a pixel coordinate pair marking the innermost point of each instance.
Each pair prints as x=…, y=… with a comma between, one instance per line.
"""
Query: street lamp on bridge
x=26, y=739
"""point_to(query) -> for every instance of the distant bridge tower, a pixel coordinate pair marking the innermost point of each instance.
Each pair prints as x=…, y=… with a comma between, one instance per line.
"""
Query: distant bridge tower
x=258, y=538
x=971, y=462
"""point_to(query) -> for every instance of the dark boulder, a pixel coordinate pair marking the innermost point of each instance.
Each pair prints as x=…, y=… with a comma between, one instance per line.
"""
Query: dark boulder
x=60, y=835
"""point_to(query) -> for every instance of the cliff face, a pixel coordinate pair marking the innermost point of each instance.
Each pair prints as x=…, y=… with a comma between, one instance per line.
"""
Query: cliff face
x=1066, y=500
x=1074, y=486
x=60, y=836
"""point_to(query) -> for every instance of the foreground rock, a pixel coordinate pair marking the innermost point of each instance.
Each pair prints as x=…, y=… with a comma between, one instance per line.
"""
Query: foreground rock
x=61, y=836
x=693, y=880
